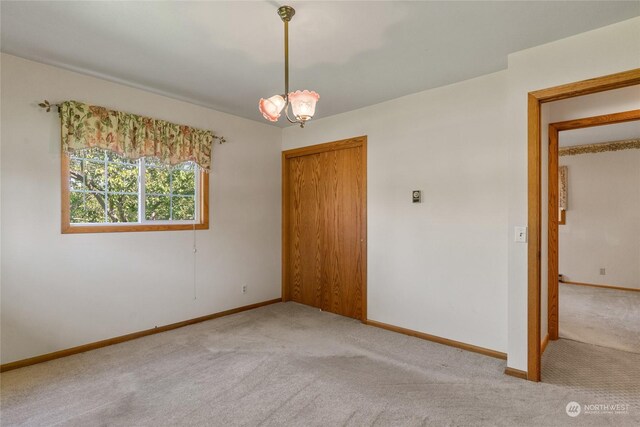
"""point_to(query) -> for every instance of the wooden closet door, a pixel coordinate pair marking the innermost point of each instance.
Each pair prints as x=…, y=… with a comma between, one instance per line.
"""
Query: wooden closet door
x=305, y=245
x=342, y=232
x=324, y=227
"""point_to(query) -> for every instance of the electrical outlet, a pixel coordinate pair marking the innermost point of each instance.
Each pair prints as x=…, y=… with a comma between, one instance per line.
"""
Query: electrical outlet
x=244, y=289
x=521, y=234
x=603, y=272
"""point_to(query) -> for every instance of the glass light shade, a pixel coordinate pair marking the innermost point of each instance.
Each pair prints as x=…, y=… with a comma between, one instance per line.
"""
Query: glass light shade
x=270, y=108
x=303, y=104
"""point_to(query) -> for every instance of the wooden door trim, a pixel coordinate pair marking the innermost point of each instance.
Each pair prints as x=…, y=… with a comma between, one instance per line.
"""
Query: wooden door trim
x=535, y=100
x=359, y=141
x=552, y=236
x=552, y=241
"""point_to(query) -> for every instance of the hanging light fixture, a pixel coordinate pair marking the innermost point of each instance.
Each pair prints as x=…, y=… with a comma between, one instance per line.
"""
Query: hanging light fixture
x=303, y=103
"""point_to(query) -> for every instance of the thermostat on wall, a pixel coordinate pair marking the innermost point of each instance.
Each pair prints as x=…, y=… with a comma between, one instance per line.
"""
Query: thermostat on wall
x=417, y=196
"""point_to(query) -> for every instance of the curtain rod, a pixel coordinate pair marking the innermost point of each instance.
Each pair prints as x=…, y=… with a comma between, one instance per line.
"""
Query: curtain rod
x=46, y=105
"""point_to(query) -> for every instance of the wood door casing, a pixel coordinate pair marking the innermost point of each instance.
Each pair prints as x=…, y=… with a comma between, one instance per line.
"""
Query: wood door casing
x=535, y=100
x=324, y=227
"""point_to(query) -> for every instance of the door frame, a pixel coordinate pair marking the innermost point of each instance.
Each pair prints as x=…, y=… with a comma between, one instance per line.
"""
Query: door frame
x=553, y=226
x=535, y=100
x=359, y=141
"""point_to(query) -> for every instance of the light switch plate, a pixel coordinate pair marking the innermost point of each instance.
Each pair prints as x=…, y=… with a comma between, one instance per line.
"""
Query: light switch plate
x=521, y=234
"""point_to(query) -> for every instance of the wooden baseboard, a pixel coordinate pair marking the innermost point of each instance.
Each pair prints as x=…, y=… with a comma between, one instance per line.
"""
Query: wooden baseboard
x=619, y=288
x=543, y=344
x=439, y=340
x=516, y=373
x=98, y=344
x=522, y=374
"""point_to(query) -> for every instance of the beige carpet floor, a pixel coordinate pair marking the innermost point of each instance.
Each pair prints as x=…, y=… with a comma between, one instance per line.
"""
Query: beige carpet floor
x=604, y=317
x=288, y=364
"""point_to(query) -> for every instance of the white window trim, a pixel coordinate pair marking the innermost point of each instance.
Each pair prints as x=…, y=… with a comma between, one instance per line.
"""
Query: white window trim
x=141, y=165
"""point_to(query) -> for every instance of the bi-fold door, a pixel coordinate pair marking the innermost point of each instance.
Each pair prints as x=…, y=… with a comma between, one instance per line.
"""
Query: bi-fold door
x=324, y=226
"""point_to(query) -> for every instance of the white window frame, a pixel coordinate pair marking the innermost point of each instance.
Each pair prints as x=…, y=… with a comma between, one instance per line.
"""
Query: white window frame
x=71, y=227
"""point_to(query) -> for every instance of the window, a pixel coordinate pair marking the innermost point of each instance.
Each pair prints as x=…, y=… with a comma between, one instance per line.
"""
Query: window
x=102, y=192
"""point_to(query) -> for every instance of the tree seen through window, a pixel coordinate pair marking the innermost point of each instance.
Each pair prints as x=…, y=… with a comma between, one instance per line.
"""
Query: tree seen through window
x=107, y=188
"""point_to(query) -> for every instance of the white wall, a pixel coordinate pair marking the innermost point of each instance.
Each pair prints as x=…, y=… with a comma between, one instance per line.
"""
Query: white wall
x=603, y=220
x=596, y=53
x=60, y=291
x=440, y=266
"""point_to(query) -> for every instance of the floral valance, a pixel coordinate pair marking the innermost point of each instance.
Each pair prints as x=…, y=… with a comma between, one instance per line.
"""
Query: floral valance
x=132, y=136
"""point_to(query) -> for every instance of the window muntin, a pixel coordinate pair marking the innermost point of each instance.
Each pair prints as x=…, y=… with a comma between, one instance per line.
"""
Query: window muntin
x=105, y=188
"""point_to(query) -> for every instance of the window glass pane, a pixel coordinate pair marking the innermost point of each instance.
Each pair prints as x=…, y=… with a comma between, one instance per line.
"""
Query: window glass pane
x=156, y=180
x=184, y=208
x=94, y=207
x=184, y=179
x=104, y=188
x=123, y=208
x=96, y=154
x=115, y=157
x=86, y=207
x=122, y=178
x=158, y=208
x=154, y=162
x=94, y=176
x=77, y=213
x=76, y=175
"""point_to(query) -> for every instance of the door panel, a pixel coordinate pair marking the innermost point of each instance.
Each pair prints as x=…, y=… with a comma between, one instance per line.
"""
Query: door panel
x=305, y=229
x=342, y=232
x=324, y=241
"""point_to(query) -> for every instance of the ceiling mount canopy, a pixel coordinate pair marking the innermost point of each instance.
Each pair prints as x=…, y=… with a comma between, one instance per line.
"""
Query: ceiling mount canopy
x=303, y=103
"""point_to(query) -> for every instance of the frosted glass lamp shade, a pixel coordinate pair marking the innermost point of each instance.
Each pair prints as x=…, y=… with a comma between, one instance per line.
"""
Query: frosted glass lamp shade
x=270, y=108
x=303, y=104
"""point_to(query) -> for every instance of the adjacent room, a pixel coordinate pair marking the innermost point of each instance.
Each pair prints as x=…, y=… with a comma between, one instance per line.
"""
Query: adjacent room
x=592, y=312
x=600, y=245
x=302, y=213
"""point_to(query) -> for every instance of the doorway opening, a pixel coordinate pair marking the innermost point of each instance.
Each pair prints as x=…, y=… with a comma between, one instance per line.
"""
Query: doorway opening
x=535, y=101
x=557, y=205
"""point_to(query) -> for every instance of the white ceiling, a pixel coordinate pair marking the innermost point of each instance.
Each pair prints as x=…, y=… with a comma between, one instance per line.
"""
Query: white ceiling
x=227, y=55
x=598, y=134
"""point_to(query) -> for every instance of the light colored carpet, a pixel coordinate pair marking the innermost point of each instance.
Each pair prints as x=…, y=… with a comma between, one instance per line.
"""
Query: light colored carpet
x=288, y=364
x=610, y=375
x=604, y=317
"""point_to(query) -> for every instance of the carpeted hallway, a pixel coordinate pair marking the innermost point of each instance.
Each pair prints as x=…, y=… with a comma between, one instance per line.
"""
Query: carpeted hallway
x=288, y=364
x=604, y=317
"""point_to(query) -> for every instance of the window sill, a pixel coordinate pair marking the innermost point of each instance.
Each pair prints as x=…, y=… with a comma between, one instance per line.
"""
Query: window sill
x=78, y=229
